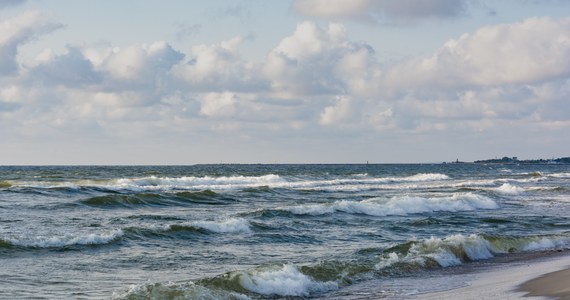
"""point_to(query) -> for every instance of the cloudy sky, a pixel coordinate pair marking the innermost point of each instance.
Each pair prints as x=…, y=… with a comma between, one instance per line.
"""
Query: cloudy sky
x=289, y=81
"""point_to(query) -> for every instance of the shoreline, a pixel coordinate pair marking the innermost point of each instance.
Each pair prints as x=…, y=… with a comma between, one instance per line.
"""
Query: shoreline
x=554, y=284
x=540, y=278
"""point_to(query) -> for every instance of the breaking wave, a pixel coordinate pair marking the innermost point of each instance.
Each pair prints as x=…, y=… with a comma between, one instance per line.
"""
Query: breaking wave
x=288, y=280
x=508, y=189
x=285, y=280
x=92, y=239
x=154, y=199
x=228, y=225
x=458, y=249
x=272, y=281
x=192, y=183
x=399, y=205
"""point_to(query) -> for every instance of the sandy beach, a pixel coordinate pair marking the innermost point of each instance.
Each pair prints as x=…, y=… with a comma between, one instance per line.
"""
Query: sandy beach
x=543, y=278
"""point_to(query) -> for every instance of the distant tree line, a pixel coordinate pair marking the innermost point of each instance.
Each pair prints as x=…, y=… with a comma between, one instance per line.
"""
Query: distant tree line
x=513, y=160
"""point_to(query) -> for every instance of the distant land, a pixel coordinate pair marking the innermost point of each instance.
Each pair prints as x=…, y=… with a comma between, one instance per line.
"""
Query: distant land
x=515, y=160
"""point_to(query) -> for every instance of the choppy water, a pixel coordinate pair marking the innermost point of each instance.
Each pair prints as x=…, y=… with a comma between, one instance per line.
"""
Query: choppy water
x=265, y=231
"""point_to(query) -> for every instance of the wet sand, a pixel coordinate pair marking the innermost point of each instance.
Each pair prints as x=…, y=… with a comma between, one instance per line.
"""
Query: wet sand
x=555, y=285
x=547, y=278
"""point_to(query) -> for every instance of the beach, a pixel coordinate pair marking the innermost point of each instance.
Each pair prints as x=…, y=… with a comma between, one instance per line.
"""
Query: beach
x=541, y=278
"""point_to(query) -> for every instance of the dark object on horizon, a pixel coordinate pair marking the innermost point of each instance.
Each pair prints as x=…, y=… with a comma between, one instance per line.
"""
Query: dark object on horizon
x=513, y=160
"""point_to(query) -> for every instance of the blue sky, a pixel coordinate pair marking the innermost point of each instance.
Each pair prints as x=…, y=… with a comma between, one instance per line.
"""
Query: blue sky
x=299, y=81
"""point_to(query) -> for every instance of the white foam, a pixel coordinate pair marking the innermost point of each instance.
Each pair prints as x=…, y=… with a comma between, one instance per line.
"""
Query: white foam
x=560, y=175
x=388, y=261
x=400, y=205
x=508, y=189
x=154, y=183
x=444, y=251
x=284, y=281
x=427, y=177
x=182, y=290
x=191, y=182
x=315, y=209
x=545, y=244
x=62, y=241
x=230, y=225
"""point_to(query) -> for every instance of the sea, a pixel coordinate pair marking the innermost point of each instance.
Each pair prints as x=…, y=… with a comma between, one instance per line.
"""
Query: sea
x=231, y=231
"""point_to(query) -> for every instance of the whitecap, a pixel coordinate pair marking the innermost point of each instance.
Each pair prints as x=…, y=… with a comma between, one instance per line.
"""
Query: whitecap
x=509, y=189
x=399, y=205
x=545, y=244
x=284, y=281
x=68, y=240
x=449, y=251
x=200, y=183
x=230, y=225
x=560, y=175
x=426, y=177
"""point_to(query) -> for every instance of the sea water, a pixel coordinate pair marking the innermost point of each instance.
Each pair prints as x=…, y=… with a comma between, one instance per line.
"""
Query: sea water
x=267, y=231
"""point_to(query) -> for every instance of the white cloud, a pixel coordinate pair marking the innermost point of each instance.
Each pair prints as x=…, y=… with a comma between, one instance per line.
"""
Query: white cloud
x=316, y=60
x=218, y=104
x=219, y=67
x=526, y=52
x=338, y=112
x=315, y=82
x=141, y=63
x=18, y=31
x=70, y=69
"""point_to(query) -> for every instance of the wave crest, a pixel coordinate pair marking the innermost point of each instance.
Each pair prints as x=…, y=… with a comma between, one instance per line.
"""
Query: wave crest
x=458, y=249
x=284, y=281
x=69, y=240
x=400, y=205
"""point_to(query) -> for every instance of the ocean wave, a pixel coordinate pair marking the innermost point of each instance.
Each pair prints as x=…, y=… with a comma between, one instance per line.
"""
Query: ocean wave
x=560, y=175
x=114, y=200
x=289, y=280
x=265, y=281
x=450, y=251
x=91, y=239
x=202, y=183
x=172, y=290
x=155, y=199
x=228, y=225
x=509, y=189
x=285, y=280
x=192, y=183
x=5, y=184
x=458, y=249
x=399, y=205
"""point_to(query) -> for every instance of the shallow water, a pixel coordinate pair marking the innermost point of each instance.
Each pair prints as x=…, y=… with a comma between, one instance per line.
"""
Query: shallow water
x=266, y=231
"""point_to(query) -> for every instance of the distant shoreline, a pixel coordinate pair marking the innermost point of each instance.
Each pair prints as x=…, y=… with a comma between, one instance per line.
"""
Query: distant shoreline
x=515, y=160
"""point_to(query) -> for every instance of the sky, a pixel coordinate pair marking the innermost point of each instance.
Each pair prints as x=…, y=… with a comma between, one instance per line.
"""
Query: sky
x=283, y=81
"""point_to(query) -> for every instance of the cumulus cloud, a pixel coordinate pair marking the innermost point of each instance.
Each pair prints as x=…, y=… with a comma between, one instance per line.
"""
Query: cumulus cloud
x=219, y=66
x=218, y=104
x=69, y=69
x=315, y=80
x=141, y=62
x=401, y=11
x=338, y=112
x=530, y=51
x=17, y=31
x=316, y=60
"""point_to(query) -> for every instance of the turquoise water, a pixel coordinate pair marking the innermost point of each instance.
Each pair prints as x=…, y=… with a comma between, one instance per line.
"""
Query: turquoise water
x=266, y=231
